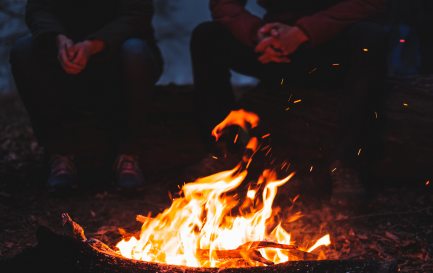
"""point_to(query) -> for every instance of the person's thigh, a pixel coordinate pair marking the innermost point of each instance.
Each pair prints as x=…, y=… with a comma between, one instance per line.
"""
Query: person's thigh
x=41, y=82
x=141, y=59
x=129, y=73
x=213, y=44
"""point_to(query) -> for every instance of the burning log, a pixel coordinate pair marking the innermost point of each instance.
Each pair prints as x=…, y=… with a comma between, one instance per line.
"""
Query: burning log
x=250, y=251
x=73, y=252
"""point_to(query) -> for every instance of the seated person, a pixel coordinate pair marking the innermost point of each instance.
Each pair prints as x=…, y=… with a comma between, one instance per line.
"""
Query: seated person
x=85, y=75
x=293, y=38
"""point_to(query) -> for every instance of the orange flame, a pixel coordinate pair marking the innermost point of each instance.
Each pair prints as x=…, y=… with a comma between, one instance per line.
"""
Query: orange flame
x=240, y=118
x=213, y=214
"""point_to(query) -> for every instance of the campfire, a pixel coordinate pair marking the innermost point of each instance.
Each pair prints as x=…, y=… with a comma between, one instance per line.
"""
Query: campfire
x=223, y=220
x=222, y=223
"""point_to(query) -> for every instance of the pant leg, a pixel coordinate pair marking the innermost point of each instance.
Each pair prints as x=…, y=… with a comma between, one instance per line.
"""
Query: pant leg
x=40, y=81
x=214, y=52
x=141, y=66
x=363, y=89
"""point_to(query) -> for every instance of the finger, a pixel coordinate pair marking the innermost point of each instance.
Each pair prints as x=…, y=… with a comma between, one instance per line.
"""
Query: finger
x=268, y=42
x=266, y=56
x=68, y=46
x=275, y=33
x=270, y=55
x=65, y=62
x=63, y=56
x=79, y=58
x=73, y=51
x=268, y=27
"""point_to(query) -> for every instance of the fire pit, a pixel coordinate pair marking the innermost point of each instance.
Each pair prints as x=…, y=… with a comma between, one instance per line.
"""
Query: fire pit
x=73, y=252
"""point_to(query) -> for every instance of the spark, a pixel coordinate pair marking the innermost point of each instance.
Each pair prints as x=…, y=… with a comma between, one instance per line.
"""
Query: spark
x=266, y=147
x=236, y=138
x=365, y=50
x=214, y=157
x=287, y=109
x=359, y=151
x=405, y=104
x=336, y=65
x=333, y=170
x=312, y=70
x=297, y=101
x=427, y=183
x=282, y=81
x=402, y=41
x=376, y=115
x=265, y=136
x=311, y=168
x=290, y=97
x=270, y=149
x=249, y=163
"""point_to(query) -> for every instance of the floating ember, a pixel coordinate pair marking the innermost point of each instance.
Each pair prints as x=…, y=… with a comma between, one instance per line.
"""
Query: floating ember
x=222, y=220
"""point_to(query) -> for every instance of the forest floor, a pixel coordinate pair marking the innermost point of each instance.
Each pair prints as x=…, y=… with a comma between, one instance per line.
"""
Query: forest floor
x=394, y=224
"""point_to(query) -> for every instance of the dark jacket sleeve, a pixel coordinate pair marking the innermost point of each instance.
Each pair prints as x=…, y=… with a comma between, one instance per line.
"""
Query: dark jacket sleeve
x=134, y=19
x=42, y=21
x=324, y=25
x=241, y=23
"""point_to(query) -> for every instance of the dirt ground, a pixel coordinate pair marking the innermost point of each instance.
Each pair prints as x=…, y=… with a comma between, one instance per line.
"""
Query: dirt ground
x=394, y=224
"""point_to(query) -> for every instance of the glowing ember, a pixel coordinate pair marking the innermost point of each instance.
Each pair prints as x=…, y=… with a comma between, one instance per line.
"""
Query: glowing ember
x=221, y=220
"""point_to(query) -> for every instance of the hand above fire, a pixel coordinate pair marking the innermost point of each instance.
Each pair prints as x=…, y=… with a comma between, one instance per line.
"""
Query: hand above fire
x=278, y=41
x=73, y=57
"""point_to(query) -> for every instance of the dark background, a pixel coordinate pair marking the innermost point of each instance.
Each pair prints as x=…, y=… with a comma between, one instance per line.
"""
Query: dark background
x=396, y=222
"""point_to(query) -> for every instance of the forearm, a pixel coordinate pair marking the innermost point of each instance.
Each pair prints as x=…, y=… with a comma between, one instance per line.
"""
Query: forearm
x=134, y=20
x=94, y=46
x=41, y=19
x=326, y=24
x=234, y=16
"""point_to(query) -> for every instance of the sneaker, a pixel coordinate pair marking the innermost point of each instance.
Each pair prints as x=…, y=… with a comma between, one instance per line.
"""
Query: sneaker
x=347, y=188
x=128, y=173
x=63, y=173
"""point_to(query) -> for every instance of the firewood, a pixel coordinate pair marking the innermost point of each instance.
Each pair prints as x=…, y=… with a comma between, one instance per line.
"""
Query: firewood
x=70, y=253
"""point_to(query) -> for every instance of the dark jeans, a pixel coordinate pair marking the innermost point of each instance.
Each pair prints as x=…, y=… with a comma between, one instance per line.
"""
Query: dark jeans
x=215, y=52
x=105, y=104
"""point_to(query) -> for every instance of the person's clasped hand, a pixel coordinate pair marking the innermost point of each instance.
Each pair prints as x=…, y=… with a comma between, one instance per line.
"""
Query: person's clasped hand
x=66, y=55
x=74, y=57
x=278, y=41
